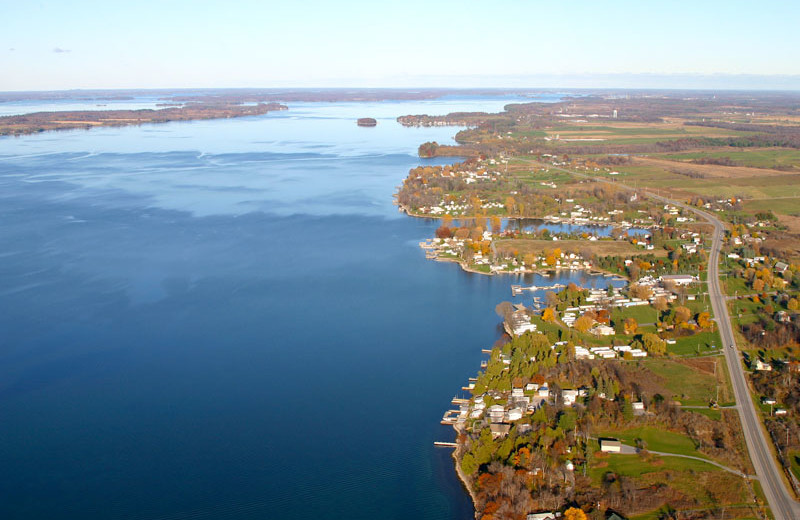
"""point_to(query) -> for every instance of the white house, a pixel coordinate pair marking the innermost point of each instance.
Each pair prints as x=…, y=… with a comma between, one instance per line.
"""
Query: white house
x=760, y=365
x=677, y=279
x=610, y=445
x=569, y=397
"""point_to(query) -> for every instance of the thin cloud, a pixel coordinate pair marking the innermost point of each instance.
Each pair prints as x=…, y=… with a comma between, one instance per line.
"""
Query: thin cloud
x=59, y=50
x=12, y=49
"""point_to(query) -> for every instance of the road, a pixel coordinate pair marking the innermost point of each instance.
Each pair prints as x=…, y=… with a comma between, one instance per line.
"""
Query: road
x=780, y=499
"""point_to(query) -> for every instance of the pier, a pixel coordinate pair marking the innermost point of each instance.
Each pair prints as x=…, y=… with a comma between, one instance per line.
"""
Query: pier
x=516, y=290
x=443, y=444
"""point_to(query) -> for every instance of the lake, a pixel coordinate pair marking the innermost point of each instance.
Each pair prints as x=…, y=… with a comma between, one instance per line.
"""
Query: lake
x=230, y=319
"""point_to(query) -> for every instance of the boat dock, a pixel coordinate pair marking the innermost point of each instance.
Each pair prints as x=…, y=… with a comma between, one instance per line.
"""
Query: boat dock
x=443, y=444
x=516, y=290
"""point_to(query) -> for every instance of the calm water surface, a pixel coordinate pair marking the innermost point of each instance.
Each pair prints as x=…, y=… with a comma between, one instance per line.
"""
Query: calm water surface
x=229, y=319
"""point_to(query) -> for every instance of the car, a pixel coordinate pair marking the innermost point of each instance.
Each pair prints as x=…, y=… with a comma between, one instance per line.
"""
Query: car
x=732, y=346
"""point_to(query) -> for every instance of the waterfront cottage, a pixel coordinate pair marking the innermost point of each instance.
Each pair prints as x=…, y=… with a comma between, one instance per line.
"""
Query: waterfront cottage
x=499, y=430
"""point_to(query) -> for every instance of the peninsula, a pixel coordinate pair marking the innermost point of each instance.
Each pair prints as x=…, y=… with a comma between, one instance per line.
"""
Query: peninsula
x=86, y=119
x=628, y=400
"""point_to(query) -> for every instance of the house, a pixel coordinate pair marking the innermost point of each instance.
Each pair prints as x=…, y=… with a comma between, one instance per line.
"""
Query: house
x=602, y=330
x=781, y=267
x=514, y=414
x=760, y=365
x=499, y=430
x=638, y=408
x=543, y=516
x=610, y=445
x=768, y=400
x=543, y=391
x=569, y=397
x=496, y=413
x=782, y=317
x=780, y=411
x=677, y=279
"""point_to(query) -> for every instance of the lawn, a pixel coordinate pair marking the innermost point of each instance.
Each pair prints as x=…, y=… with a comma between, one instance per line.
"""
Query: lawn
x=636, y=466
x=657, y=440
x=641, y=313
x=689, y=385
x=698, y=344
x=598, y=247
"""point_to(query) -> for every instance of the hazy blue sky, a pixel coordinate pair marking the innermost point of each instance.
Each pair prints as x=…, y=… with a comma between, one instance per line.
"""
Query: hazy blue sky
x=106, y=44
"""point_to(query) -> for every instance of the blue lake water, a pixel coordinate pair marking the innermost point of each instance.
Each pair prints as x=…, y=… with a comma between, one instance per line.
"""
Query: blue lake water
x=230, y=319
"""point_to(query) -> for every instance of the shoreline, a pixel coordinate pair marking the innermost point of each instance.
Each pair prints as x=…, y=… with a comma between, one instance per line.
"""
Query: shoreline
x=465, y=483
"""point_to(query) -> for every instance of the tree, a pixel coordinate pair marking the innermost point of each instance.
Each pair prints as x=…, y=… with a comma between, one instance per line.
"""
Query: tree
x=503, y=309
x=584, y=323
x=792, y=304
x=549, y=314
x=654, y=345
x=573, y=513
x=682, y=314
x=630, y=326
x=661, y=304
x=704, y=320
x=496, y=224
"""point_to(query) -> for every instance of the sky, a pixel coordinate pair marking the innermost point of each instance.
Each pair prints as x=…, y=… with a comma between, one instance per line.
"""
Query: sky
x=55, y=45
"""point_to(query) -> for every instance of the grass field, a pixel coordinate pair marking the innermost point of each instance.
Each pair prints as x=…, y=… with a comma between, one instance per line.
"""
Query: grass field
x=756, y=158
x=689, y=385
x=641, y=313
x=598, y=247
x=657, y=440
x=698, y=344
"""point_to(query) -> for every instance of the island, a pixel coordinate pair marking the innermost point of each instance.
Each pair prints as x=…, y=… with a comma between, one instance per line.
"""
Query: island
x=86, y=119
x=629, y=399
x=366, y=121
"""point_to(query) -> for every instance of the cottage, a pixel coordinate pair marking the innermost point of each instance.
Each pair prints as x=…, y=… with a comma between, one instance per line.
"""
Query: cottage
x=543, y=391
x=760, y=365
x=602, y=330
x=543, y=516
x=569, y=397
x=514, y=414
x=780, y=411
x=768, y=400
x=610, y=445
x=499, y=430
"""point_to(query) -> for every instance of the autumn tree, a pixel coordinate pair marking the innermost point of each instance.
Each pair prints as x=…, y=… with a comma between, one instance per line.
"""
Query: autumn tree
x=630, y=326
x=704, y=320
x=549, y=314
x=661, y=304
x=654, y=345
x=584, y=323
x=573, y=513
x=682, y=314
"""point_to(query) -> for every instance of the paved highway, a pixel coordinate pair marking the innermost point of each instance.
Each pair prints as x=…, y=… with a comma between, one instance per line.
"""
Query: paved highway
x=780, y=499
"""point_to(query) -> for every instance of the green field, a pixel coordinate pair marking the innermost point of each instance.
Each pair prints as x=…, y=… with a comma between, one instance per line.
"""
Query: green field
x=635, y=466
x=758, y=158
x=698, y=344
x=641, y=313
x=688, y=385
x=657, y=440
